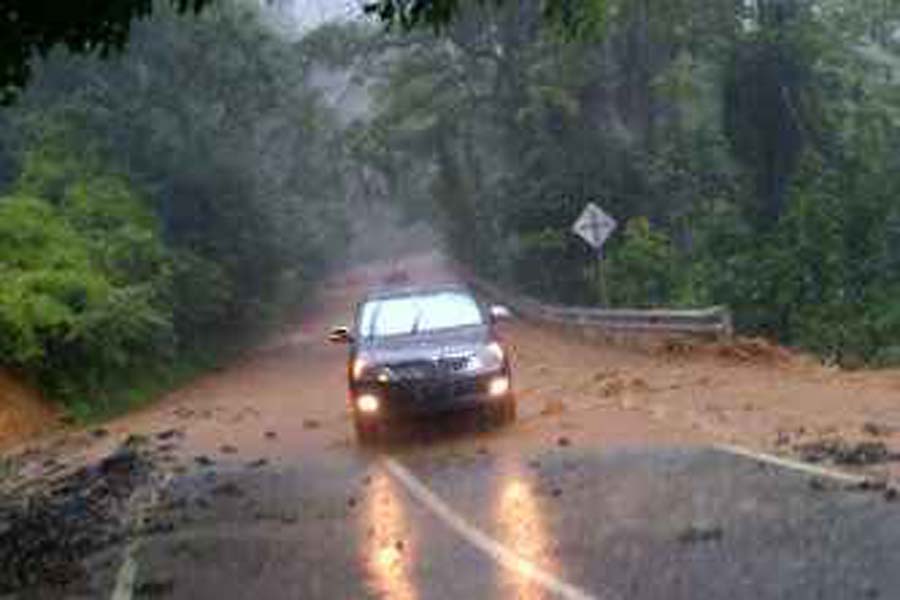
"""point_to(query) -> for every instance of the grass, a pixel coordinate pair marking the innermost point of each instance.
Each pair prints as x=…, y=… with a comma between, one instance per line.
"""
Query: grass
x=133, y=391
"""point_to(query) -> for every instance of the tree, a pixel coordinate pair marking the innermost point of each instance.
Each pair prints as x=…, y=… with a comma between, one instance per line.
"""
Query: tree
x=196, y=177
x=759, y=139
x=575, y=18
x=29, y=27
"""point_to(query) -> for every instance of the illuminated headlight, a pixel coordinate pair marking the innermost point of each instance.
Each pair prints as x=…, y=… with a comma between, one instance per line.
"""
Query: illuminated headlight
x=489, y=358
x=498, y=386
x=359, y=368
x=367, y=403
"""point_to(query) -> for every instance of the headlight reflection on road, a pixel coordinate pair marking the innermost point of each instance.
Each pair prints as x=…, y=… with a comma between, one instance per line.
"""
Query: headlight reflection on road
x=521, y=527
x=388, y=547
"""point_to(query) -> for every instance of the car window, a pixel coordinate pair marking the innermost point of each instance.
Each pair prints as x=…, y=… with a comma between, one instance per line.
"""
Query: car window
x=416, y=314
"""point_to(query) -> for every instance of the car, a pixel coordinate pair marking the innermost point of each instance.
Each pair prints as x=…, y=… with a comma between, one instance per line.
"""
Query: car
x=425, y=352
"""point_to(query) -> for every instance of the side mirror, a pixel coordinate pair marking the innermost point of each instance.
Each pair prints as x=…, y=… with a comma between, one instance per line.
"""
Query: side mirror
x=500, y=313
x=340, y=335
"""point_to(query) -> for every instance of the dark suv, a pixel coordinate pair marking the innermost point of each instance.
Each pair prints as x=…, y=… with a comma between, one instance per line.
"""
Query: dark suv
x=425, y=351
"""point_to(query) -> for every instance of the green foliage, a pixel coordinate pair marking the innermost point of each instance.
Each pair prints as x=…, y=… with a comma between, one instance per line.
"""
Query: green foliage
x=158, y=216
x=539, y=263
x=47, y=278
x=822, y=278
x=65, y=315
x=642, y=268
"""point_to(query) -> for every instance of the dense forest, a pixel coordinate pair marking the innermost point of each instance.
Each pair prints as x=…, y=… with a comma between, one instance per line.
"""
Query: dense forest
x=164, y=206
x=749, y=150
x=161, y=208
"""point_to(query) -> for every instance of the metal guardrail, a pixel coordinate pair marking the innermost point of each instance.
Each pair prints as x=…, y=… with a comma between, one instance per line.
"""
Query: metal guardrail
x=715, y=321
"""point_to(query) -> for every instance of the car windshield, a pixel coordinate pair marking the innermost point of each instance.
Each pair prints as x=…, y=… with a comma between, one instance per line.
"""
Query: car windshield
x=416, y=314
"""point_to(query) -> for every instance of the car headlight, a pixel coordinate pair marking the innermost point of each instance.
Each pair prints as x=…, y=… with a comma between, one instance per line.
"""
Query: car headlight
x=359, y=368
x=368, y=403
x=488, y=358
x=498, y=386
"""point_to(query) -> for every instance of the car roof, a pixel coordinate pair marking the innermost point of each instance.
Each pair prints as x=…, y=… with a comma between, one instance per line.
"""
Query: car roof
x=416, y=290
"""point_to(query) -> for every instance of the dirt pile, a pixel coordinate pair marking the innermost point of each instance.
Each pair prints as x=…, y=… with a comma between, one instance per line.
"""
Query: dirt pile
x=23, y=412
x=754, y=350
x=45, y=534
x=738, y=350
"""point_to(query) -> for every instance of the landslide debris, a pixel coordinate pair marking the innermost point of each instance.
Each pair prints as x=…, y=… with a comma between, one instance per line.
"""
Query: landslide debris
x=47, y=530
x=741, y=350
x=842, y=452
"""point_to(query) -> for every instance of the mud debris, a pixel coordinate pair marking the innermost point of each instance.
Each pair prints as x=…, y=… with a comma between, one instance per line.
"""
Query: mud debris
x=817, y=484
x=229, y=489
x=135, y=439
x=553, y=407
x=204, y=461
x=877, y=429
x=183, y=412
x=841, y=452
x=45, y=533
x=698, y=533
x=99, y=433
x=168, y=434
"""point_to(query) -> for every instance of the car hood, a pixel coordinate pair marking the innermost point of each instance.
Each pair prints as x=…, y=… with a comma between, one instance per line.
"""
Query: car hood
x=424, y=346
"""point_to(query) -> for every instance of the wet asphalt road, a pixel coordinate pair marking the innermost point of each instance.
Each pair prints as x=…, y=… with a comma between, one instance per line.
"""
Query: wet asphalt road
x=627, y=523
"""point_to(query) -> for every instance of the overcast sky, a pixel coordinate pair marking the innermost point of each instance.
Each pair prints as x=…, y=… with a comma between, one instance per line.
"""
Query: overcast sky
x=311, y=13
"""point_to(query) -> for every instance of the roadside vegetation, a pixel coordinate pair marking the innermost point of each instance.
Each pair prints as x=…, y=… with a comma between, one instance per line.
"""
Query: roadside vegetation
x=161, y=208
x=749, y=151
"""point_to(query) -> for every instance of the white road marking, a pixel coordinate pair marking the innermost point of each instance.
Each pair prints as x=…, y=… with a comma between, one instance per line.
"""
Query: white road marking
x=793, y=465
x=494, y=549
x=127, y=574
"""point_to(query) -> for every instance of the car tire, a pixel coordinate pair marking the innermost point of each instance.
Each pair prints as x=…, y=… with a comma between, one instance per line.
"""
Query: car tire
x=367, y=434
x=503, y=413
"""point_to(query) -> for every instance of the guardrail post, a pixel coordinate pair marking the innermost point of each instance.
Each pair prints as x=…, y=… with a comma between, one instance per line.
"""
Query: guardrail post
x=727, y=323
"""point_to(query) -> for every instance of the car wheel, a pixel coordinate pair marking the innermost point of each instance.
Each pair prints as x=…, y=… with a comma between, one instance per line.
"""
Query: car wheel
x=367, y=434
x=503, y=413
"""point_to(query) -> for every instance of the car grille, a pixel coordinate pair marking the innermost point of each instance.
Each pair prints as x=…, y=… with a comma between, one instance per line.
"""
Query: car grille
x=413, y=371
x=453, y=364
x=422, y=370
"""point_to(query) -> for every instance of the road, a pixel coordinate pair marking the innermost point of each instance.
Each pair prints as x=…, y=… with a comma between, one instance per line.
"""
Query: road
x=261, y=492
x=622, y=524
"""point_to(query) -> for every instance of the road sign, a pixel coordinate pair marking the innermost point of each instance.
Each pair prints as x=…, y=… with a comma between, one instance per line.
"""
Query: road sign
x=594, y=226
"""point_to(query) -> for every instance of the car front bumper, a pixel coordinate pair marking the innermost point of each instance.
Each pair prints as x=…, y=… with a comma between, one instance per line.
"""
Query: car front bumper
x=408, y=399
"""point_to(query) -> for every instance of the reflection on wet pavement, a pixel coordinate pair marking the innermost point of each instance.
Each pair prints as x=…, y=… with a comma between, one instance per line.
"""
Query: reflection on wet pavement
x=523, y=529
x=389, y=545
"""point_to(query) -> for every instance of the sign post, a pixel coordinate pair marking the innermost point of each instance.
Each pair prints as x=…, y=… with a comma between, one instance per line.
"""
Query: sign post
x=595, y=226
